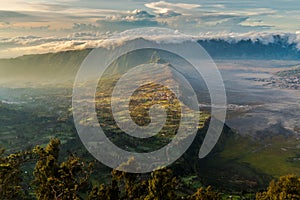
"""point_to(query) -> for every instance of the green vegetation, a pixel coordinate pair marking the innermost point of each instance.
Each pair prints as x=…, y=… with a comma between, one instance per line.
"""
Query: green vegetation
x=274, y=155
x=71, y=179
x=54, y=180
x=45, y=69
x=205, y=193
x=287, y=187
x=235, y=166
x=238, y=166
x=11, y=174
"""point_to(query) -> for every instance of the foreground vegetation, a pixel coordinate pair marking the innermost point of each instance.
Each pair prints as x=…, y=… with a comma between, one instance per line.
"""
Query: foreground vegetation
x=72, y=179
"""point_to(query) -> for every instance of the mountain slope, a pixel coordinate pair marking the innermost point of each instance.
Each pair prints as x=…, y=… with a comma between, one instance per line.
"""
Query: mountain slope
x=42, y=69
x=279, y=49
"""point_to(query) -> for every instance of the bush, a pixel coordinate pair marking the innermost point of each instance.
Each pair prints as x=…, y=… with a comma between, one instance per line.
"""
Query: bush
x=286, y=188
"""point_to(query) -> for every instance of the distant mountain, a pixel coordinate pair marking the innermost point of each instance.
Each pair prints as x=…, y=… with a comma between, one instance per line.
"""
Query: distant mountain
x=279, y=49
x=61, y=67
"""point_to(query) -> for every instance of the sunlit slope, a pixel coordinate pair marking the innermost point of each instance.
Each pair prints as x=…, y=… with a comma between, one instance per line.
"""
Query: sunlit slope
x=48, y=68
x=153, y=80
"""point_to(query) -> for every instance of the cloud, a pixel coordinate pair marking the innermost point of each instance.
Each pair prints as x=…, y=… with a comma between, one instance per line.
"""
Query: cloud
x=89, y=35
x=62, y=16
x=29, y=20
x=128, y=20
x=238, y=24
x=209, y=17
x=4, y=15
x=218, y=6
x=82, y=40
x=86, y=22
x=169, y=14
x=135, y=15
x=17, y=40
x=128, y=24
x=263, y=37
x=161, y=7
x=85, y=27
x=141, y=14
x=242, y=13
x=49, y=6
x=254, y=23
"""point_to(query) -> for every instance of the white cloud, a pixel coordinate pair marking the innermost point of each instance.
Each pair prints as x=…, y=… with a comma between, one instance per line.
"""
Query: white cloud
x=49, y=6
x=218, y=6
x=169, y=14
x=164, y=7
x=254, y=23
x=194, y=18
x=241, y=13
x=141, y=14
x=82, y=40
x=83, y=21
x=128, y=20
x=263, y=37
x=134, y=15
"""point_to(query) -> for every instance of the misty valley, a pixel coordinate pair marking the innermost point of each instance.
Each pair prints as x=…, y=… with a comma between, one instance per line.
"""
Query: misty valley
x=260, y=139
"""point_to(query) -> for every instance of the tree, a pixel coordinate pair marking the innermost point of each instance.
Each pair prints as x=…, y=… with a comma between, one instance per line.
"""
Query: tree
x=134, y=187
x=11, y=174
x=287, y=187
x=205, y=194
x=128, y=186
x=107, y=192
x=162, y=185
x=54, y=180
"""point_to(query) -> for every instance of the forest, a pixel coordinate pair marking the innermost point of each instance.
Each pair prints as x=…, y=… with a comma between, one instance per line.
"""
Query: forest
x=74, y=178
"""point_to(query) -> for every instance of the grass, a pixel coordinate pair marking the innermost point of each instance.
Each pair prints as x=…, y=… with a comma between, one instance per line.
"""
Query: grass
x=272, y=155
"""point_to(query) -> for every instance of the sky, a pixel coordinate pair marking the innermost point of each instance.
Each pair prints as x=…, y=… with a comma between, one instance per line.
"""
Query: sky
x=38, y=26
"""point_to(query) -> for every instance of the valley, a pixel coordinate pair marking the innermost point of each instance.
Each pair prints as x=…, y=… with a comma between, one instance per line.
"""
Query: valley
x=260, y=140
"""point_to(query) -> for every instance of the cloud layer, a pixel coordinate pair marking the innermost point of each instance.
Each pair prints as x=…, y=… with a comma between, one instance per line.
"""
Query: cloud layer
x=82, y=40
x=162, y=7
x=72, y=24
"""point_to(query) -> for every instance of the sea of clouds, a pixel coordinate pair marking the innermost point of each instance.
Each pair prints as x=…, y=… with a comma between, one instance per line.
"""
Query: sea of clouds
x=81, y=40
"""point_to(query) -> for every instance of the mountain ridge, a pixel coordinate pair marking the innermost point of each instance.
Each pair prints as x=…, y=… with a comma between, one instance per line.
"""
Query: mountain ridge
x=61, y=67
x=280, y=49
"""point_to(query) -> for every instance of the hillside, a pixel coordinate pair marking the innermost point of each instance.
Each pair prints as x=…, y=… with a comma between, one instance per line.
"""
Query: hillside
x=50, y=68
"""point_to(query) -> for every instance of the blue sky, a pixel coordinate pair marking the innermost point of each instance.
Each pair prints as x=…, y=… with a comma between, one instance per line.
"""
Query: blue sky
x=33, y=25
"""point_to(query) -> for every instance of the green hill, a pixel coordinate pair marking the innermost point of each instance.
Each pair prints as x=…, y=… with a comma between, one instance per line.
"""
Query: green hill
x=50, y=68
